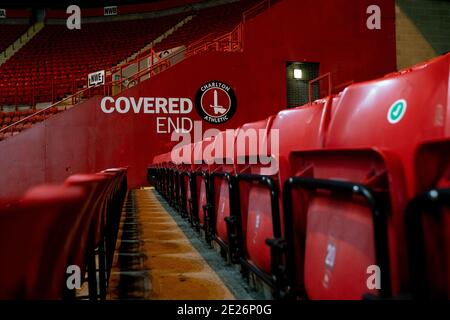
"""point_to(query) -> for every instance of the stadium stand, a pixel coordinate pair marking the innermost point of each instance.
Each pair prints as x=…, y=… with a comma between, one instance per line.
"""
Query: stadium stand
x=46, y=70
x=9, y=33
x=219, y=20
x=344, y=192
x=55, y=226
x=351, y=200
x=56, y=62
x=27, y=117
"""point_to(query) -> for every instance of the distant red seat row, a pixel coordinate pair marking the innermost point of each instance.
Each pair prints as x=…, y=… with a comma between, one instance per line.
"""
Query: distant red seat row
x=53, y=227
x=11, y=117
x=10, y=33
x=220, y=19
x=57, y=60
x=62, y=51
x=361, y=187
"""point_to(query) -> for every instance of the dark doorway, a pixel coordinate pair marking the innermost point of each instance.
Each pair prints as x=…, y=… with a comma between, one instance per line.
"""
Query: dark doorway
x=298, y=75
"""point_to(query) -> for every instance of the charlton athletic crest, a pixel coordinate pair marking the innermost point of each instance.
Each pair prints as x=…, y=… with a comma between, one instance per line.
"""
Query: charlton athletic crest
x=215, y=102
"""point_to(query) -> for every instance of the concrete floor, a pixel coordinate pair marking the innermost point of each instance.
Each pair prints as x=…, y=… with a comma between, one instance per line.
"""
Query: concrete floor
x=159, y=256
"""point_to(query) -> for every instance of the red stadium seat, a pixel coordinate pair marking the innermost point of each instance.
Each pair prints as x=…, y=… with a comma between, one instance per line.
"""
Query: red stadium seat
x=37, y=234
x=183, y=179
x=258, y=198
x=314, y=118
x=165, y=165
x=219, y=19
x=428, y=222
x=91, y=238
x=10, y=33
x=354, y=193
x=113, y=208
x=222, y=171
x=199, y=182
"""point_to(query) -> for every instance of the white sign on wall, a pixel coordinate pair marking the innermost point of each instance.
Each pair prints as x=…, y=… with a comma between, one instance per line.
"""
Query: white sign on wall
x=110, y=11
x=2, y=13
x=96, y=78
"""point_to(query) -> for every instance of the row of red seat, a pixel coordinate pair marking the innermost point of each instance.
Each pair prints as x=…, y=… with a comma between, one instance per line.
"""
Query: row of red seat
x=8, y=118
x=57, y=60
x=358, y=205
x=53, y=227
x=10, y=33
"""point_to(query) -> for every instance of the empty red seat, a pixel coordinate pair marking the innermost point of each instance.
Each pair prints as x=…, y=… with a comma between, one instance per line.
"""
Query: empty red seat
x=115, y=197
x=94, y=216
x=7, y=120
x=355, y=192
x=428, y=222
x=222, y=171
x=36, y=235
x=51, y=64
x=183, y=161
x=364, y=178
x=202, y=152
x=258, y=194
x=10, y=33
x=301, y=128
x=165, y=165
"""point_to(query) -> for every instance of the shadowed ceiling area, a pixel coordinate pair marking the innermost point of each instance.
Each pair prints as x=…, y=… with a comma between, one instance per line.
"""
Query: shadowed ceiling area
x=65, y=3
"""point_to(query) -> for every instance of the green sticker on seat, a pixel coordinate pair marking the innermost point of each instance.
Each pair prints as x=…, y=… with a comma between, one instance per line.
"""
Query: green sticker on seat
x=397, y=111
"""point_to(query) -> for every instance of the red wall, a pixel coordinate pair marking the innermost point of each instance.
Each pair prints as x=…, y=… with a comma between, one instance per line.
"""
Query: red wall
x=332, y=32
x=84, y=139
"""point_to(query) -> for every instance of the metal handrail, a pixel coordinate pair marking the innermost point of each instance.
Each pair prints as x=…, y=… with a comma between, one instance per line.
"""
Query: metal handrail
x=265, y=4
x=330, y=85
x=42, y=110
x=198, y=48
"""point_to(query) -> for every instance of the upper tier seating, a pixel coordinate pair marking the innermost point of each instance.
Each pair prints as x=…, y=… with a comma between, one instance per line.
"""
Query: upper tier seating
x=10, y=33
x=55, y=63
x=57, y=60
x=217, y=20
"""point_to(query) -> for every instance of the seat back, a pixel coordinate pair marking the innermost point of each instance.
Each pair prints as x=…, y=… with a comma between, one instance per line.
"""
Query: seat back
x=37, y=234
x=255, y=198
x=428, y=223
x=186, y=169
x=370, y=144
x=202, y=154
x=222, y=165
x=299, y=129
x=395, y=113
x=96, y=186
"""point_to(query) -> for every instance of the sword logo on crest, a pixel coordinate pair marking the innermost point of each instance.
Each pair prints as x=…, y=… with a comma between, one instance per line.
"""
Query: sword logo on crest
x=217, y=108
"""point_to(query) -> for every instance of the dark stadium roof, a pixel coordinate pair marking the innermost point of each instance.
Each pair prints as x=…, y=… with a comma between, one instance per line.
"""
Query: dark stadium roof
x=65, y=3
